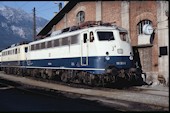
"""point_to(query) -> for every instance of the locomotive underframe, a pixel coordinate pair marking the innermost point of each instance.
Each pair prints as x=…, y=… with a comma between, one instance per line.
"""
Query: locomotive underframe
x=112, y=75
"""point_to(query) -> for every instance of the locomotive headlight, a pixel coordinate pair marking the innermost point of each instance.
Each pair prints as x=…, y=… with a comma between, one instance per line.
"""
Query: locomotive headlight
x=107, y=57
x=131, y=57
x=120, y=51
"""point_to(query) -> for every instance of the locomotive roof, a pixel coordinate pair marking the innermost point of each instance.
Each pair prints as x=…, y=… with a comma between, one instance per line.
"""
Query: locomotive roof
x=14, y=46
x=72, y=33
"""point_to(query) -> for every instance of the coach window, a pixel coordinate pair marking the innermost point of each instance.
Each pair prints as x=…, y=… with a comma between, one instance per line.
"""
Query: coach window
x=91, y=37
x=85, y=38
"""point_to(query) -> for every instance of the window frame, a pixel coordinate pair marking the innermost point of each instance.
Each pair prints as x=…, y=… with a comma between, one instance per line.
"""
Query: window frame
x=80, y=17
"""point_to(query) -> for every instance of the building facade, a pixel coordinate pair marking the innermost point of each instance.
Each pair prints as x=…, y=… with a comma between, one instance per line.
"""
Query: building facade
x=153, y=49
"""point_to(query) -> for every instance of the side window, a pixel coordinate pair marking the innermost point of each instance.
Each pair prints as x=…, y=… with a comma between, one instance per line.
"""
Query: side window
x=124, y=36
x=56, y=43
x=15, y=51
x=37, y=46
x=91, y=37
x=74, y=39
x=85, y=37
x=18, y=50
x=64, y=41
x=49, y=44
x=43, y=45
x=26, y=49
x=32, y=47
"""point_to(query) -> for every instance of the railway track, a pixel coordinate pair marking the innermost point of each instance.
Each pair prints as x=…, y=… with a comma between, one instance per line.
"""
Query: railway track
x=110, y=88
x=116, y=97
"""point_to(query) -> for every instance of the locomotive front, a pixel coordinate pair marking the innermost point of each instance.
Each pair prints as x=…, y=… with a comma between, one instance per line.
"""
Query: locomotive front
x=115, y=54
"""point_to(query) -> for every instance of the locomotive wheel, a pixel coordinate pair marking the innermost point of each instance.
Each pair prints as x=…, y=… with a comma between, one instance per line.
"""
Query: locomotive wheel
x=64, y=77
x=14, y=71
x=96, y=80
x=43, y=75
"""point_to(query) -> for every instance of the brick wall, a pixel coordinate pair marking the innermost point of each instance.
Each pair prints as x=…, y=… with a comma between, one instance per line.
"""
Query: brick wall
x=90, y=14
x=140, y=10
x=111, y=12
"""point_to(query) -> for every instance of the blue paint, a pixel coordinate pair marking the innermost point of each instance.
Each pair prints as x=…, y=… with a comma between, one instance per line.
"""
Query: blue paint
x=93, y=62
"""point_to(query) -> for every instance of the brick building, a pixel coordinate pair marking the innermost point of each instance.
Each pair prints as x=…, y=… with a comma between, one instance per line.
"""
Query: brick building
x=132, y=15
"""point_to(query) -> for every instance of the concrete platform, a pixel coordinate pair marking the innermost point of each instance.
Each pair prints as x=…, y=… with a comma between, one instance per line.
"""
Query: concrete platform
x=141, y=99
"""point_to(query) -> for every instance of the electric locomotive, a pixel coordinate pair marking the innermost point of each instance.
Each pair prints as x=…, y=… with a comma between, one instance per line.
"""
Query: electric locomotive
x=13, y=58
x=94, y=55
x=99, y=54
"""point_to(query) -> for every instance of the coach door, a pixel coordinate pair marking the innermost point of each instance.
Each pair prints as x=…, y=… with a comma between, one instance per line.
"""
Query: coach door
x=84, y=48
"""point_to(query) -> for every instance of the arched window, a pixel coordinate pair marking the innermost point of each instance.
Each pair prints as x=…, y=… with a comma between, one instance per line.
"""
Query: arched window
x=141, y=24
x=80, y=17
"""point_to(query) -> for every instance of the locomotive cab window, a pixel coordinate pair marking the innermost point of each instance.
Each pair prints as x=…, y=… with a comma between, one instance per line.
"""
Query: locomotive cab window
x=26, y=49
x=15, y=51
x=91, y=37
x=124, y=36
x=103, y=36
x=85, y=38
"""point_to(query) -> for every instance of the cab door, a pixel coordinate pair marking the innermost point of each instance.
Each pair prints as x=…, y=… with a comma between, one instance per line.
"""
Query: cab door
x=84, y=48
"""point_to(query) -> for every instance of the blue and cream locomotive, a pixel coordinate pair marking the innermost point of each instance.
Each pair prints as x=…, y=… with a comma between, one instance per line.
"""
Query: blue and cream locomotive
x=93, y=55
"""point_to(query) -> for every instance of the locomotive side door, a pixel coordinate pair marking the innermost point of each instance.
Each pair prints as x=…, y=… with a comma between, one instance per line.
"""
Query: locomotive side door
x=84, y=48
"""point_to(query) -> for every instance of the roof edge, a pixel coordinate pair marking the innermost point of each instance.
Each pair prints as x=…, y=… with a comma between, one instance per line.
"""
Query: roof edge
x=58, y=17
